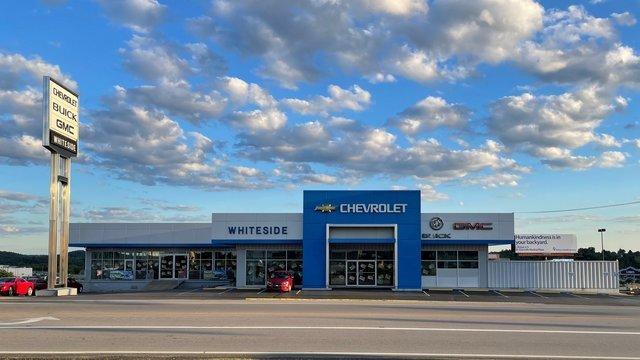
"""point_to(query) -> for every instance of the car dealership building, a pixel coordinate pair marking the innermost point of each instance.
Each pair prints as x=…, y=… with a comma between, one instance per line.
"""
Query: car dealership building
x=342, y=239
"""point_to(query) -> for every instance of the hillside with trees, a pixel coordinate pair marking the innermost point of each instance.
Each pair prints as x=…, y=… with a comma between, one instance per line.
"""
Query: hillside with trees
x=40, y=262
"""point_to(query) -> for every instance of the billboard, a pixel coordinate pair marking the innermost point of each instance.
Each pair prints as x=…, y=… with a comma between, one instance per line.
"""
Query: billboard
x=61, y=118
x=546, y=244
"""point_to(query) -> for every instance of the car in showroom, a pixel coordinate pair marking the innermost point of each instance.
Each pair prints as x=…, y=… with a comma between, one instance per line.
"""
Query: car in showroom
x=16, y=286
x=281, y=281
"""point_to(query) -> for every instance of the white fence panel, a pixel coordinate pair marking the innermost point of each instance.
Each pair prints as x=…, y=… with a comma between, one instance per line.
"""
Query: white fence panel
x=553, y=275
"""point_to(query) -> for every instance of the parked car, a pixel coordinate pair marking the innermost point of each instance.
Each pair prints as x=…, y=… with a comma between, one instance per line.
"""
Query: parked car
x=38, y=282
x=72, y=282
x=16, y=286
x=281, y=281
x=634, y=289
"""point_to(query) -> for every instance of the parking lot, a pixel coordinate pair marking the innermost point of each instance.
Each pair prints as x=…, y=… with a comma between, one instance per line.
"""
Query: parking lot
x=502, y=296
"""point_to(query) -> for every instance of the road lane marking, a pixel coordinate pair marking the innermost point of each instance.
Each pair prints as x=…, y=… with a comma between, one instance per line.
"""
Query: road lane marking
x=499, y=293
x=261, y=291
x=578, y=296
x=29, y=321
x=332, y=328
x=222, y=292
x=317, y=354
x=536, y=294
x=298, y=292
x=190, y=291
x=426, y=293
x=463, y=293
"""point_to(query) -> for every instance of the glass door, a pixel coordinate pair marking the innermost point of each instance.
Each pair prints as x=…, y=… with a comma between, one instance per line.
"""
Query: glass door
x=366, y=273
x=166, y=266
x=352, y=273
x=180, y=266
x=128, y=270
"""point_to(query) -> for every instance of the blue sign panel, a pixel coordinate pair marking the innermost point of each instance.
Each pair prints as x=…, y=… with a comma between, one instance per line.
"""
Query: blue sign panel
x=400, y=208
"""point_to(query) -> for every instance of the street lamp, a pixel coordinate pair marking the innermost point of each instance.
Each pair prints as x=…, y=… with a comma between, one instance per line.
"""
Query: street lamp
x=601, y=231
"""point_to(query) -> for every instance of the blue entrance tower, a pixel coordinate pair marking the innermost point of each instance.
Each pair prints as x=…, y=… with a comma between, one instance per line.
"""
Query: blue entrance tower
x=362, y=218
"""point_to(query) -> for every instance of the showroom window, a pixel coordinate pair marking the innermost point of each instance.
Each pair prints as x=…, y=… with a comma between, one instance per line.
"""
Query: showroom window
x=262, y=264
x=434, y=260
x=429, y=263
x=145, y=265
x=210, y=265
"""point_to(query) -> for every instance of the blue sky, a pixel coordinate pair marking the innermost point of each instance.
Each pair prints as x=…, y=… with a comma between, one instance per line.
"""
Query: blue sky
x=195, y=107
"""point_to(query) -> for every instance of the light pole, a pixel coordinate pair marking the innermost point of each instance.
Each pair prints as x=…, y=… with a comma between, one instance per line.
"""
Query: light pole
x=601, y=231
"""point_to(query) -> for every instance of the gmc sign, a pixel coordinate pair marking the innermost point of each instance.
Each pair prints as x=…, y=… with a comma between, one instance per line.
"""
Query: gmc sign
x=472, y=226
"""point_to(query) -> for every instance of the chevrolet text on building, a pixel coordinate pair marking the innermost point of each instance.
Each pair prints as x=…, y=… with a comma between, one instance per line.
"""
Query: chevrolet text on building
x=373, y=208
x=342, y=239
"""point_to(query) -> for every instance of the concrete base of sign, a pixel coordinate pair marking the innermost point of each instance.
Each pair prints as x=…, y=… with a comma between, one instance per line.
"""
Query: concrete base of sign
x=58, y=292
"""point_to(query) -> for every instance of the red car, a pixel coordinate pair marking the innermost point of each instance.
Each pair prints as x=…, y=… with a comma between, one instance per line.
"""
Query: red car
x=280, y=280
x=16, y=286
x=71, y=282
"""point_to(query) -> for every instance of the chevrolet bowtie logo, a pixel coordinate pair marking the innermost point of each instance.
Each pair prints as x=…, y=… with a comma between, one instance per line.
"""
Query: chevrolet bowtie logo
x=325, y=208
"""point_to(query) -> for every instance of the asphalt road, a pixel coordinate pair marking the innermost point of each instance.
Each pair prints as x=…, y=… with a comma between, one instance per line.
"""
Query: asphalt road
x=193, y=323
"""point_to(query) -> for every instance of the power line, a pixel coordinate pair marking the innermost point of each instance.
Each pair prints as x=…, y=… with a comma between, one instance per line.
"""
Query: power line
x=578, y=209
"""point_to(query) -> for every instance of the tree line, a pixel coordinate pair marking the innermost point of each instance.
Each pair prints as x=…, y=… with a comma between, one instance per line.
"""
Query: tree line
x=625, y=258
x=41, y=262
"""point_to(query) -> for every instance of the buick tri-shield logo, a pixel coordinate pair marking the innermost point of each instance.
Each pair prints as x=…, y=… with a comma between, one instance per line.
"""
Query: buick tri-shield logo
x=325, y=208
x=436, y=223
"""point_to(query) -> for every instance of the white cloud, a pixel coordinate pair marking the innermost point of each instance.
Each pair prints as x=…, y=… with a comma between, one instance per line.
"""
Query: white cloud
x=178, y=99
x=429, y=193
x=153, y=60
x=242, y=92
x=258, y=120
x=339, y=99
x=376, y=39
x=431, y=113
x=396, y=7
x=380, y=78
x=550, y=126
x=17, y=71
x=21, y=107
x=138, y=15
x=625, y=18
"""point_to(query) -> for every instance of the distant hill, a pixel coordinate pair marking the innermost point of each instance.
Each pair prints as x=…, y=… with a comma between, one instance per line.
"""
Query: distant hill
x=40, y=262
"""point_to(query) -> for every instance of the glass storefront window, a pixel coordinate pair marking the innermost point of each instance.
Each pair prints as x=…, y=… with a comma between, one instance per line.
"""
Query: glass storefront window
x=448, y=255
x=467, y=255
x=255, y=254
x=447, y=264
x=141, y=269
x=468, y=264
x=255, y=272
x=276, y=254
x=429, y=268
x=429, y=255
x=337, y=271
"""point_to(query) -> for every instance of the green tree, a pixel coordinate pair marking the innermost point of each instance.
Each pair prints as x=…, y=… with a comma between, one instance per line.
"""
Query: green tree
x=5, y=273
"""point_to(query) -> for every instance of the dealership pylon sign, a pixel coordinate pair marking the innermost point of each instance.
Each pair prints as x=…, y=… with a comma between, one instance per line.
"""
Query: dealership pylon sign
x=61, y=125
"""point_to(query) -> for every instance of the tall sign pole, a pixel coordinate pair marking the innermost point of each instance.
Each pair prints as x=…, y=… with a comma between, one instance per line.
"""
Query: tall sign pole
x=61, y=126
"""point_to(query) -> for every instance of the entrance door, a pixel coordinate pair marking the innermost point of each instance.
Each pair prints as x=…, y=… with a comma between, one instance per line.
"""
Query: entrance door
x=166, y=266
x=180, y=266
x=352, y=273
x=173, y=266
x=366, y=273
x=128, y=269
